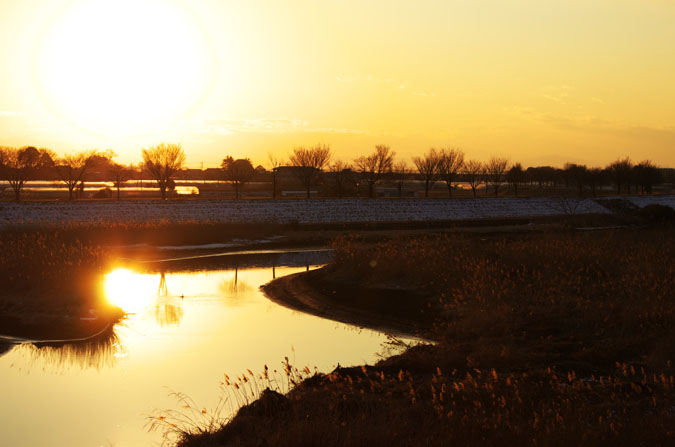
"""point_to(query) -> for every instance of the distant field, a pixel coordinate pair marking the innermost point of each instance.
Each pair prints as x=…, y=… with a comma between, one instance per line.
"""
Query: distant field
x=315, y=211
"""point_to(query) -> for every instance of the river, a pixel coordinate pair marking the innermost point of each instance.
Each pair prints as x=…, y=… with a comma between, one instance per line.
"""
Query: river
x=184, y=331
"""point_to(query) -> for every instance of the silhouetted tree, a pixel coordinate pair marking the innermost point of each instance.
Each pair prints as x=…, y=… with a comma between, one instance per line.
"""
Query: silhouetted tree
x=542, y=175
x=427, y=166
x=515, y=176
x=46, y=164
x=596, y=178
x=120, y=174
x=375, y=165
x=496, y=169
x=2, y=168
x=450, y=163
x=473, y=173
x=239, y=172
x=310, y=163
x=71, y=169
x=341, y=176
x=646, y=175
x=577, y=173
x=162, y=162
x=101, y=161
x=619, y=172
x=274, y=165
x=399, y=174
x=19, y=166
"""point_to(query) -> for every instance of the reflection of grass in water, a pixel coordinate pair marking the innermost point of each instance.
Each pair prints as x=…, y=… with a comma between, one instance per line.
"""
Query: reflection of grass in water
x=235, y=288
x=97, y=353
x=168, y=312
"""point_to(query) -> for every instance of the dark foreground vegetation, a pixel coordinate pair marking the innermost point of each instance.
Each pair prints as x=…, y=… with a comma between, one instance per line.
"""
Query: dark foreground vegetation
x=51, y=286
x=558, y=338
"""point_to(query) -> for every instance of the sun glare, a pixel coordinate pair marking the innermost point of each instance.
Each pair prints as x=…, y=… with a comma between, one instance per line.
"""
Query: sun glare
x=123, y=67
x=128, y=290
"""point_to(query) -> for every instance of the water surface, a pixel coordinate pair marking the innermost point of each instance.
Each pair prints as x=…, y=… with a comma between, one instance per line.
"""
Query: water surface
x=185, y=330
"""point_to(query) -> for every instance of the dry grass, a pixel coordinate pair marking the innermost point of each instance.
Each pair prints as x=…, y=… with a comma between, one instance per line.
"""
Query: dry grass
x=593, y=298
x=46, y=268
x=543, y=339
x=48, y=281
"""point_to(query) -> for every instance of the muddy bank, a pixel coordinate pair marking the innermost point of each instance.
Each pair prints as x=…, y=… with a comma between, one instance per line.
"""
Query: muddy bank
x=394, y=311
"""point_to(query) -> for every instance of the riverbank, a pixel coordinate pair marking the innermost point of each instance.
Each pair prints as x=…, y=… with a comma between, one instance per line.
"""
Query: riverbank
x=51, y=287
x=556, y=338
x=315, y=211
x=394, y=311
x=51, y=273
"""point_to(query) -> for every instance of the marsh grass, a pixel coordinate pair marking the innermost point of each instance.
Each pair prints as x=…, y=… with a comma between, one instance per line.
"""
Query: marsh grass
x=45, y=269
x=51, y=286
x=246, y=393
x=374, y=406
x=560, y=339
x=569, y=297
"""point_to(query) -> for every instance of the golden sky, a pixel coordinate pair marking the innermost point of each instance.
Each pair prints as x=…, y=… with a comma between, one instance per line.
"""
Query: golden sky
x=538, y=81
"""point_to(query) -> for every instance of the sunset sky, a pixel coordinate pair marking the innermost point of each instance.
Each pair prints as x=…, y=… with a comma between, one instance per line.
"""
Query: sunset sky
x=541, y=82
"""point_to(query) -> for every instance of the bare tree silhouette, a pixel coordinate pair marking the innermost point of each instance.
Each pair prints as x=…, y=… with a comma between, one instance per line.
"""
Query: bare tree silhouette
x=495, y=172
x=450, y=163
x=400, y=174
x=473, y=172
x=274, y=164
x=19, y=166
x=310, y=163
x=596, y=177
x=620, y=172
x=427, y=166
x=72, y=168
x=646, y=176
x=341, y=174
x=239, y=172
x=375, y=165
x=119, y=174
x=578, y=173
x=162, y=162
x=515, y=176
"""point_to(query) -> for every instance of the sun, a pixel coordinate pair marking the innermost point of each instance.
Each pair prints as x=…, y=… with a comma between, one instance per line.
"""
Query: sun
x=128, y=290
x=123, y=67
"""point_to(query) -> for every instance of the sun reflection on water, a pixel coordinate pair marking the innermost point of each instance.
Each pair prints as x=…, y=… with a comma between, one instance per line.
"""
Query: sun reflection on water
x=129, y=290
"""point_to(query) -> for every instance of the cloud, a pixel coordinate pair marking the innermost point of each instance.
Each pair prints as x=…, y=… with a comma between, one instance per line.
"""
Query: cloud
x=595, y=124
x=261, y=125
x=557, y=99
x=230, y=126
x=556, y=93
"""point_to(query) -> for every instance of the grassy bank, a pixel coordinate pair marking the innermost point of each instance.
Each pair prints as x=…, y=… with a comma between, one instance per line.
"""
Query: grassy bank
x=51, y=286
x=557, y=338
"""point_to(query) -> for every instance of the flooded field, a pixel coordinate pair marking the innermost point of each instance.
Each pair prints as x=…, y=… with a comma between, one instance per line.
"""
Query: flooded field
x=185, y=329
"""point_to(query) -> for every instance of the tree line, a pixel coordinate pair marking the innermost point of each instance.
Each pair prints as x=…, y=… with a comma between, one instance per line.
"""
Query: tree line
x=313, y=166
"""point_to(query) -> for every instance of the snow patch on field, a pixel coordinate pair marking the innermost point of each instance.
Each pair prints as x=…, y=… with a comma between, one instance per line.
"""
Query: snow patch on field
x=314, y=211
